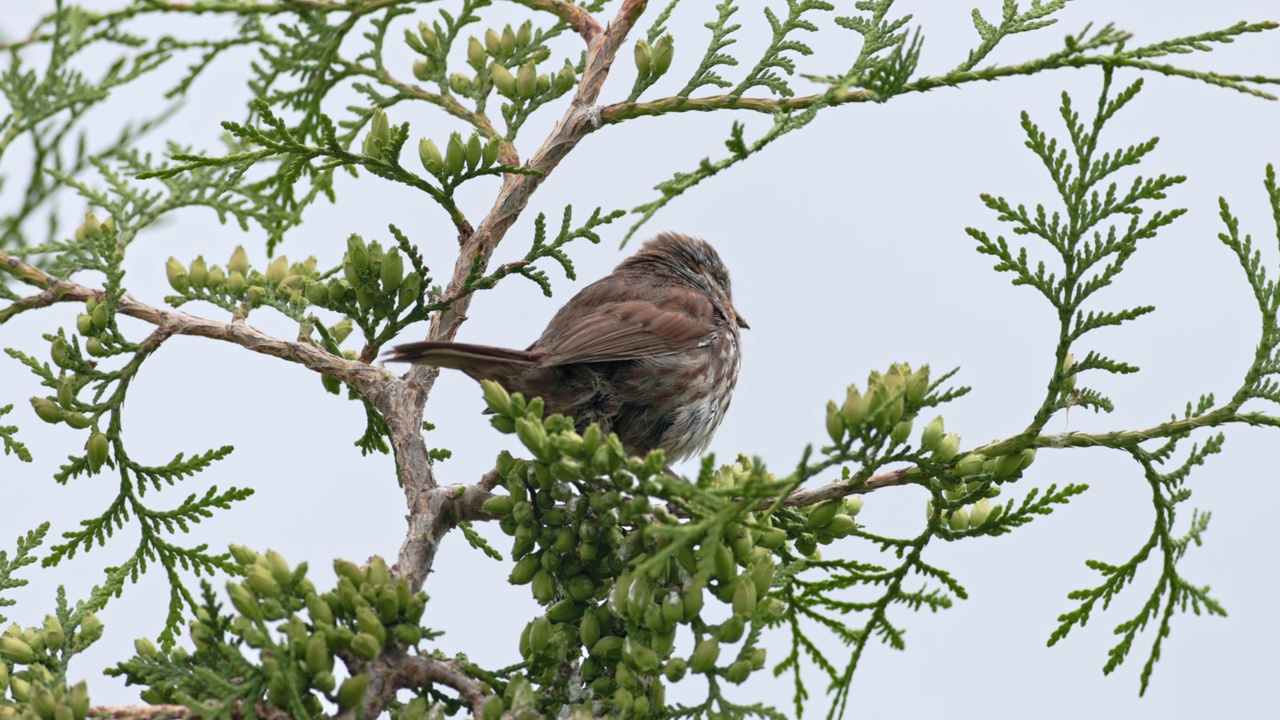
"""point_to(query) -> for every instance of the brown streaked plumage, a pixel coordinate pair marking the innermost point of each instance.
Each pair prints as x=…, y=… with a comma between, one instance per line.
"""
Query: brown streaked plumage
x=649, y=351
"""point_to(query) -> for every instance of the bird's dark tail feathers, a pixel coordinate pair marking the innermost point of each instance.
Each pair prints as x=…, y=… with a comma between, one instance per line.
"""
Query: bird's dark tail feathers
x=482, y=362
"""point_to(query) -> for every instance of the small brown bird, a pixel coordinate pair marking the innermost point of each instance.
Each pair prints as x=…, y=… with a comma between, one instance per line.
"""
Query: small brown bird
x=649, y=352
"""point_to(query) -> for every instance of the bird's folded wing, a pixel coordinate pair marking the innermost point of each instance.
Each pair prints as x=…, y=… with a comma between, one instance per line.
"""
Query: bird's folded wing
x=632, y=329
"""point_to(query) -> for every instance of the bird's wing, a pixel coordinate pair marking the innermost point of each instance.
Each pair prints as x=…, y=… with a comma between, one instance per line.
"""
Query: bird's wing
x=631, y=329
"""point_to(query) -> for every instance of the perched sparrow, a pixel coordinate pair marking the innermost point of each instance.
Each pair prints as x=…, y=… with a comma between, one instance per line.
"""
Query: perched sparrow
x=649, y=352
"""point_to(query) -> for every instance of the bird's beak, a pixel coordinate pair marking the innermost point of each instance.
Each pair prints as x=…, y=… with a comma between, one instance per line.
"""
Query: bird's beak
x=743, y=323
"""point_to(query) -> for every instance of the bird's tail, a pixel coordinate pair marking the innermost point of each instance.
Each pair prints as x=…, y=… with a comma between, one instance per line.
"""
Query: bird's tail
x=482, y=362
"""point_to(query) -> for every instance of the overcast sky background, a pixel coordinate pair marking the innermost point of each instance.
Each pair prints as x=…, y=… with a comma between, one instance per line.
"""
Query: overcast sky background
x=847, y=247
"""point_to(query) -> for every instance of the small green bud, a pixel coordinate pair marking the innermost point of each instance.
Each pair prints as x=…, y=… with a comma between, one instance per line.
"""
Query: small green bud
x=762, y=575
x=235, y=282
x=239, y=262
x=565, y=611
x=216, y=277
x=901, y=431
x=705, y=655
x=460, y=84
x=99, y=317
x=970, y=464
x=430, y=156
x=738, y=672
x=544, y=586
x=663, y=52
x=84, y=324
x=60, y=353
x=392, y=270
x=244, y=601
x=565, y=79
x=475, y=152
x=503, y=80
x=429, y=38
x=835, y=422
x=277, y=270
x=262, y=582
x=1007, y=465
x=199, y=272
x=475, y=53
x=524, y=570
x=692, y=601
x=539, y=634
x=1026, y=457
x=21, y=689
x=980, y=512
x=90, y=629
x=178, y=278
x=422, y=68
x=92, y=228
x=352, y=690
x=493, y=707
x=533, y=435
x=16, y=650
x=45, y=705
x=410, y=289
x=243, y=555
x=933, y=434
x=47, y=410
x=524, y=35
x=317, y=293
x=366, y=645
x=325, y=682
x=318, y=658
x=917, y=385
x=959, y=520
x=948, y=447
x=491, y=151
x=455, y=155
x=675, y=669
x=526, y=81
x=841, y=526
x=644, y=59
x=357, y=253
x=96, y=451
x=508, y=42
x=379, y=134
x=498, y=505
x=822, y=513
x=854, y=409
x=145, y=648
x=771, y=538
x=608, y=647
x=492, y=42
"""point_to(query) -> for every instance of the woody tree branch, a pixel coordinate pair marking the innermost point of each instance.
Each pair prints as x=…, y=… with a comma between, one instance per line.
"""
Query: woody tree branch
x=367, y=379
x=430, y=509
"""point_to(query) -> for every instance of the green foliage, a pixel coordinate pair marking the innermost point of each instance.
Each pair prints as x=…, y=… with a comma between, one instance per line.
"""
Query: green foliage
x=621, y=554
x=878, y=35
x=366, y=615
x=1261, y=380
x=542, y=249
x=618, y=552
x=22, y=557
x=11, y=444
x=766, y=72
x=1087, y=237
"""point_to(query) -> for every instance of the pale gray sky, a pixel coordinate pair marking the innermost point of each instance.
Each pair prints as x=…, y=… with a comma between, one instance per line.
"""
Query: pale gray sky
x=848, y=252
